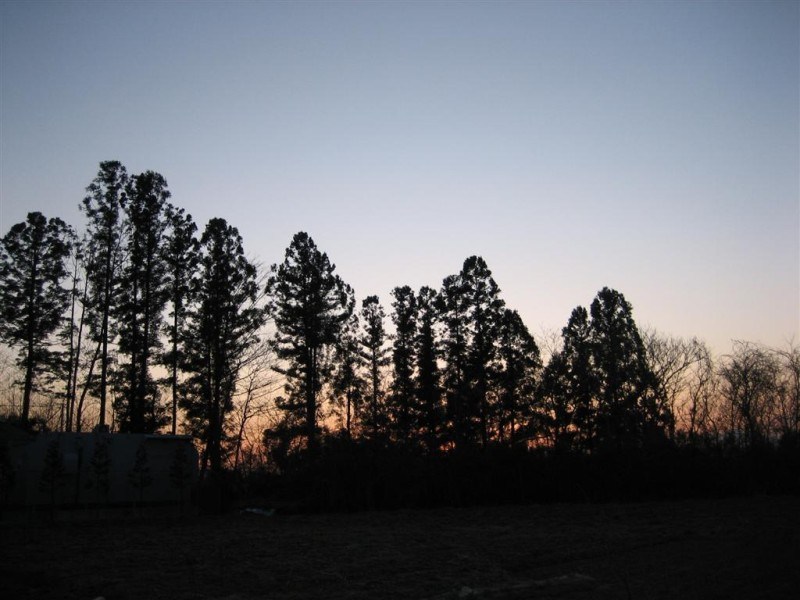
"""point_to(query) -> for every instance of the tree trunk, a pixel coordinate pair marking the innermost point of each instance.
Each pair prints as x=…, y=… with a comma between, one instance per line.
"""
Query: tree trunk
x=311, y=408
x=79, y=412
x=31, y=335
x=175, y=371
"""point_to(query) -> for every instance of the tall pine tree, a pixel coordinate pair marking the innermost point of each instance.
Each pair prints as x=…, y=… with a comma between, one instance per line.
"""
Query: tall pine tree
x=570, y=386
x=626, y=403
x=404, y=405
x=310, y=305
x=32, y=301
x=427, y=382
x=222, y=323
x=349, y=388
x=452, y=309
x=376, y=356
x=181, y=254
x=103, y=207
x=517, y=378
x=484, y=310
x=143, y=296
x=470, y=310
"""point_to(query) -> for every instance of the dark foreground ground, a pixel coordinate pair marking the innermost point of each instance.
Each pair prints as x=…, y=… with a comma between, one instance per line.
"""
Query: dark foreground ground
x=732, y=548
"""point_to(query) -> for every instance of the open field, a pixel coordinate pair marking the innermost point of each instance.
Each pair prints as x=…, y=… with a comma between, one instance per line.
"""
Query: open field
x=730, y=548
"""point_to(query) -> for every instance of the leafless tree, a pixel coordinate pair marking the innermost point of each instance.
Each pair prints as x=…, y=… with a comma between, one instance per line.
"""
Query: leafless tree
x=698, y=413
x=749, y=384
x=787, y=400
x=10, y=395
x=672, y=360
x=550, y=342
x=254, y=399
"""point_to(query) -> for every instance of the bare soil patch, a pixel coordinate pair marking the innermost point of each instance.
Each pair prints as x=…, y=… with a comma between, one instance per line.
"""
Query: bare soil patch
x=729, y=548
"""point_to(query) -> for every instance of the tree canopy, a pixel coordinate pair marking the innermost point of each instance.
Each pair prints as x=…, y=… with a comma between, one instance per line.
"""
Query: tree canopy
x=174, y=330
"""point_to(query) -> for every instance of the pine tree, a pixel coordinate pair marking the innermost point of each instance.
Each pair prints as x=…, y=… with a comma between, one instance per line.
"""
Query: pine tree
x=310, y=305
x=470, y=309
x=103, y=207
x=555, y=419
x=180, y=255
x=452, y=312
x=520, y=365
x=624, y=380
x=32, y=301
x=576, y=411
x=143, y=296
x=484, y=312
x=376, y=355
x=349, y=388
x=404, y=405
x=222, y=323
x=71, y=334
x=427, y=385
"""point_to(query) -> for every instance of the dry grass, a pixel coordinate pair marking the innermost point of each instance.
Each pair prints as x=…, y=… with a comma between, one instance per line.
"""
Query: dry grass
x=734, y=548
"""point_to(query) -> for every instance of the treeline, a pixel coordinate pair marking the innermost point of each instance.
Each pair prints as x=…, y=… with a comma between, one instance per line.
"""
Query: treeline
x=140, y=313
x=142, y=323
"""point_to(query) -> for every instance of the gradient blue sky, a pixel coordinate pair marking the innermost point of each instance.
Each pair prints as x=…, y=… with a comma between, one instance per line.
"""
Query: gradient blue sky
x=651, y=147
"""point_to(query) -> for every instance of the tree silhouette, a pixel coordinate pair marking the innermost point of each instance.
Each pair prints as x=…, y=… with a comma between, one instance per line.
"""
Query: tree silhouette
x=427, y=382
x=484, y=311
x=404, y=405
x=466, y=374
x=222, y=323
x=788, y=395
x=32, y=265
x=70, y=335
x=556, y=418
x=749, y=384
x=310, y=305
x=671, y=360
x=520, y=363
x=142, y=298
x=103, y=208
x=626, y=406
x=452, y=310
x=348, y=384
x=573, y=373
x=376, y=355
x=470, y=309
x=181, y=254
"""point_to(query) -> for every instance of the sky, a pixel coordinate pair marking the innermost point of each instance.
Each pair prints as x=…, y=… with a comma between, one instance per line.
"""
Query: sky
x=652, y=147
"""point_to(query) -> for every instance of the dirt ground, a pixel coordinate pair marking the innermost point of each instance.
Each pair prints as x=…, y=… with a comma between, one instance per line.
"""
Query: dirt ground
x=731, y=548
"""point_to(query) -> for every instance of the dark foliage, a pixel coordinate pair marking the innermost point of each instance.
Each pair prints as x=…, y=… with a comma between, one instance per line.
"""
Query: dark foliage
x=222, y=323
x=310, y=305
x=453, y=405
x=140, y=308
x=103, y=207
x=32, y=301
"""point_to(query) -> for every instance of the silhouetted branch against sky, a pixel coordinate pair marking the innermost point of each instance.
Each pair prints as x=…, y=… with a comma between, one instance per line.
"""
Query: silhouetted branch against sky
x=649, y=147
